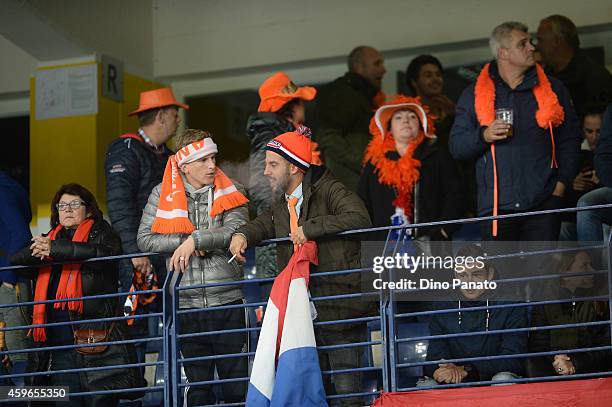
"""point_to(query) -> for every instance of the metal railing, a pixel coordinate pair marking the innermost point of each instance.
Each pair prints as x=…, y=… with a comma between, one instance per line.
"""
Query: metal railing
x=385, y=377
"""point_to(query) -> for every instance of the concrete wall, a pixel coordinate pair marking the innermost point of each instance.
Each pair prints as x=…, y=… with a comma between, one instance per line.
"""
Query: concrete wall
x=204, y=37
x=15, y=68
x=207, y=47
x=118, y=28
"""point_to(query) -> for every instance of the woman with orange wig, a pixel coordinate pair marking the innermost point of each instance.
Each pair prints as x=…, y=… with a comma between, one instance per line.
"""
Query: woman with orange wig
x=406, y=174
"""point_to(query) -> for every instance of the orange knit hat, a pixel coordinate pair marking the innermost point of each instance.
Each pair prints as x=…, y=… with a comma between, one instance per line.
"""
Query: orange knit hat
x=294, y=147
x=278, y=89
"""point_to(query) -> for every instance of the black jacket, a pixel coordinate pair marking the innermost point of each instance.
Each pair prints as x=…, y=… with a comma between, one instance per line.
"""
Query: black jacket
x=344, y=109
x=524, y=172
x=98, y=278
x=132, y=169
x=480, y=345
x=440, y=192
x=587, y=82
x=603, y=154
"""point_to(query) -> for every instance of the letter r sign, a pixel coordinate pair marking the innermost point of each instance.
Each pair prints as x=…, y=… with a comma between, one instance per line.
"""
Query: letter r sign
x=112, y=78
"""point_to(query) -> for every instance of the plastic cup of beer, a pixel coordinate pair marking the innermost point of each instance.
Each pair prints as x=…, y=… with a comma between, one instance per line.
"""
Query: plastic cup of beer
x=506, y=115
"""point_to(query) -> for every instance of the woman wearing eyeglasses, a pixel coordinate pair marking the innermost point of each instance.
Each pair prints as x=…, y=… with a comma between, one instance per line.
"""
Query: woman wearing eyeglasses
x=78, y=232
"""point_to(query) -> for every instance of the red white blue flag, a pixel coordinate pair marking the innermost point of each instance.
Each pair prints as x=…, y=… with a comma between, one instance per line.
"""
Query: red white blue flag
x=286, y=369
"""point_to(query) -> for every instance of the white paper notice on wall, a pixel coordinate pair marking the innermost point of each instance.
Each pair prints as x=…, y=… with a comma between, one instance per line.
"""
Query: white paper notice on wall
x=65, y=92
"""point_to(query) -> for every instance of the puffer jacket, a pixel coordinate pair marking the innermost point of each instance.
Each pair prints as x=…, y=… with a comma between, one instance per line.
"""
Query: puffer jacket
x=211, y=235
x=132, y=169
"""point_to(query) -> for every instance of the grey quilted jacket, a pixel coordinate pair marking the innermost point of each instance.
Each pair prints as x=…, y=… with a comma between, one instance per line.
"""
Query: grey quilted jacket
x=211, y=235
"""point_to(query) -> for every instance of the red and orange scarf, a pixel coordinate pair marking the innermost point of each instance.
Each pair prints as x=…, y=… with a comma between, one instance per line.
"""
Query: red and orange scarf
x=549, y=114
x=70, y=284
x=172, y=210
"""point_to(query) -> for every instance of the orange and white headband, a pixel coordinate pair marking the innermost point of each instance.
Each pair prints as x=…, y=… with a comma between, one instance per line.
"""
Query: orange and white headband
x=196, y=150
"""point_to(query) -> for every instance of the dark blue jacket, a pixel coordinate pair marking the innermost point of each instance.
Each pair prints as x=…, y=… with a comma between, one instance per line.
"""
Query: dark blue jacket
x=603, y=153
x=132, y=169
x=525, y=176
x=480, y=345
x=15, y=217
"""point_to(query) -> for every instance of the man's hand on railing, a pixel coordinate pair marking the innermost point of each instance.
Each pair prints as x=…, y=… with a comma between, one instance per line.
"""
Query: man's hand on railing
x=237, y=247
x=450, y=373
x=563, y=365
x=142, y=264
x=182, y=254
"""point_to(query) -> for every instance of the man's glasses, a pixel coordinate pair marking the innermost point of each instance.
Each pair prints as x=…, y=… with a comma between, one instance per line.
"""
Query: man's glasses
x=74, y=205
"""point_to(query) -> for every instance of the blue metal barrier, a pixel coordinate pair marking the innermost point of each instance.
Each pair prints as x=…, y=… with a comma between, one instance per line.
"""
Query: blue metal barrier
x=173, y=387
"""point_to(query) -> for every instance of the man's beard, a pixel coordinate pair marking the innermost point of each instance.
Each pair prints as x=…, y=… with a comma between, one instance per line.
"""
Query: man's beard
x=278, y=191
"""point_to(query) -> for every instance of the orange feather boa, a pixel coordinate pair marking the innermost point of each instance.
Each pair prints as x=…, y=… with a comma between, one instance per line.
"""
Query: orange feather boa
x=402, y=175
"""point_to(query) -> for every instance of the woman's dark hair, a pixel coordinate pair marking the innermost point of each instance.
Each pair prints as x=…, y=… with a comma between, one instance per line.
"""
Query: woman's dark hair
x=414, y=68
x=286, y=112
x=91, y=205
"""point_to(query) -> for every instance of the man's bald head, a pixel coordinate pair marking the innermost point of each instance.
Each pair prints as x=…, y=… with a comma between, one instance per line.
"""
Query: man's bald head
x=368, y=63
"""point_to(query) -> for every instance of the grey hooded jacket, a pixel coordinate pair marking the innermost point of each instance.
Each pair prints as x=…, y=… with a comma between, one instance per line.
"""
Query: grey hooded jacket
x=211, y=235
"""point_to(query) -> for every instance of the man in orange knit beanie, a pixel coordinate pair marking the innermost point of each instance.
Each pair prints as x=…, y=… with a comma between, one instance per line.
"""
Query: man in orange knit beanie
x=310, y=204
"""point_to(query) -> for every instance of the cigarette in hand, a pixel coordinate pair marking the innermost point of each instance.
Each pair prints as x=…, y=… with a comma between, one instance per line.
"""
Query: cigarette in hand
x=231, y=259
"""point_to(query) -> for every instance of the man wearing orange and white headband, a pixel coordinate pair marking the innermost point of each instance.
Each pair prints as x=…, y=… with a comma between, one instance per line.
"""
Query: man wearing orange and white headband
x=311, y=204
x=191, y=217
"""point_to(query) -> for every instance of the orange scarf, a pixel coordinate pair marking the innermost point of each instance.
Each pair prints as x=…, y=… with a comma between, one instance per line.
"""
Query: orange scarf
x=172, y=210
x=70, y=284
x=402, y=174
x=549, y=114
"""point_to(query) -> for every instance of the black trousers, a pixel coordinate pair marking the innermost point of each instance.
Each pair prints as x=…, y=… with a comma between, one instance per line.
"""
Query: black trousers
x=227, y=368
x=543, y=228
x=530, y=233
x=67, y=359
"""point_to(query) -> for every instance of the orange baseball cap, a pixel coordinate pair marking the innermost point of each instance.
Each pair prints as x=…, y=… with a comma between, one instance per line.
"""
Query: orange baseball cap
x=278, y=89
x=153, y=99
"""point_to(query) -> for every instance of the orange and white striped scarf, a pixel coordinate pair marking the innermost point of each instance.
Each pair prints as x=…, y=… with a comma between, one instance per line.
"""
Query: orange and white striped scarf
x=172, y=211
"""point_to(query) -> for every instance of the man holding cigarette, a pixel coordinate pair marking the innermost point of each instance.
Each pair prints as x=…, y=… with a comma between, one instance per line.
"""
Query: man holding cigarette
x=520, y=126
x=191, y=216
x=310, y=204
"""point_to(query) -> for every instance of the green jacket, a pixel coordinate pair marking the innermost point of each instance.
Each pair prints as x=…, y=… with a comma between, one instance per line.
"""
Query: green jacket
x=344, y=109
x=328, y=208
x=572, y=338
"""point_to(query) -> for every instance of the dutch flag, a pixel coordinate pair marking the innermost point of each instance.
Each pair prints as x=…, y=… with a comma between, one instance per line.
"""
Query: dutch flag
x=286, y=369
